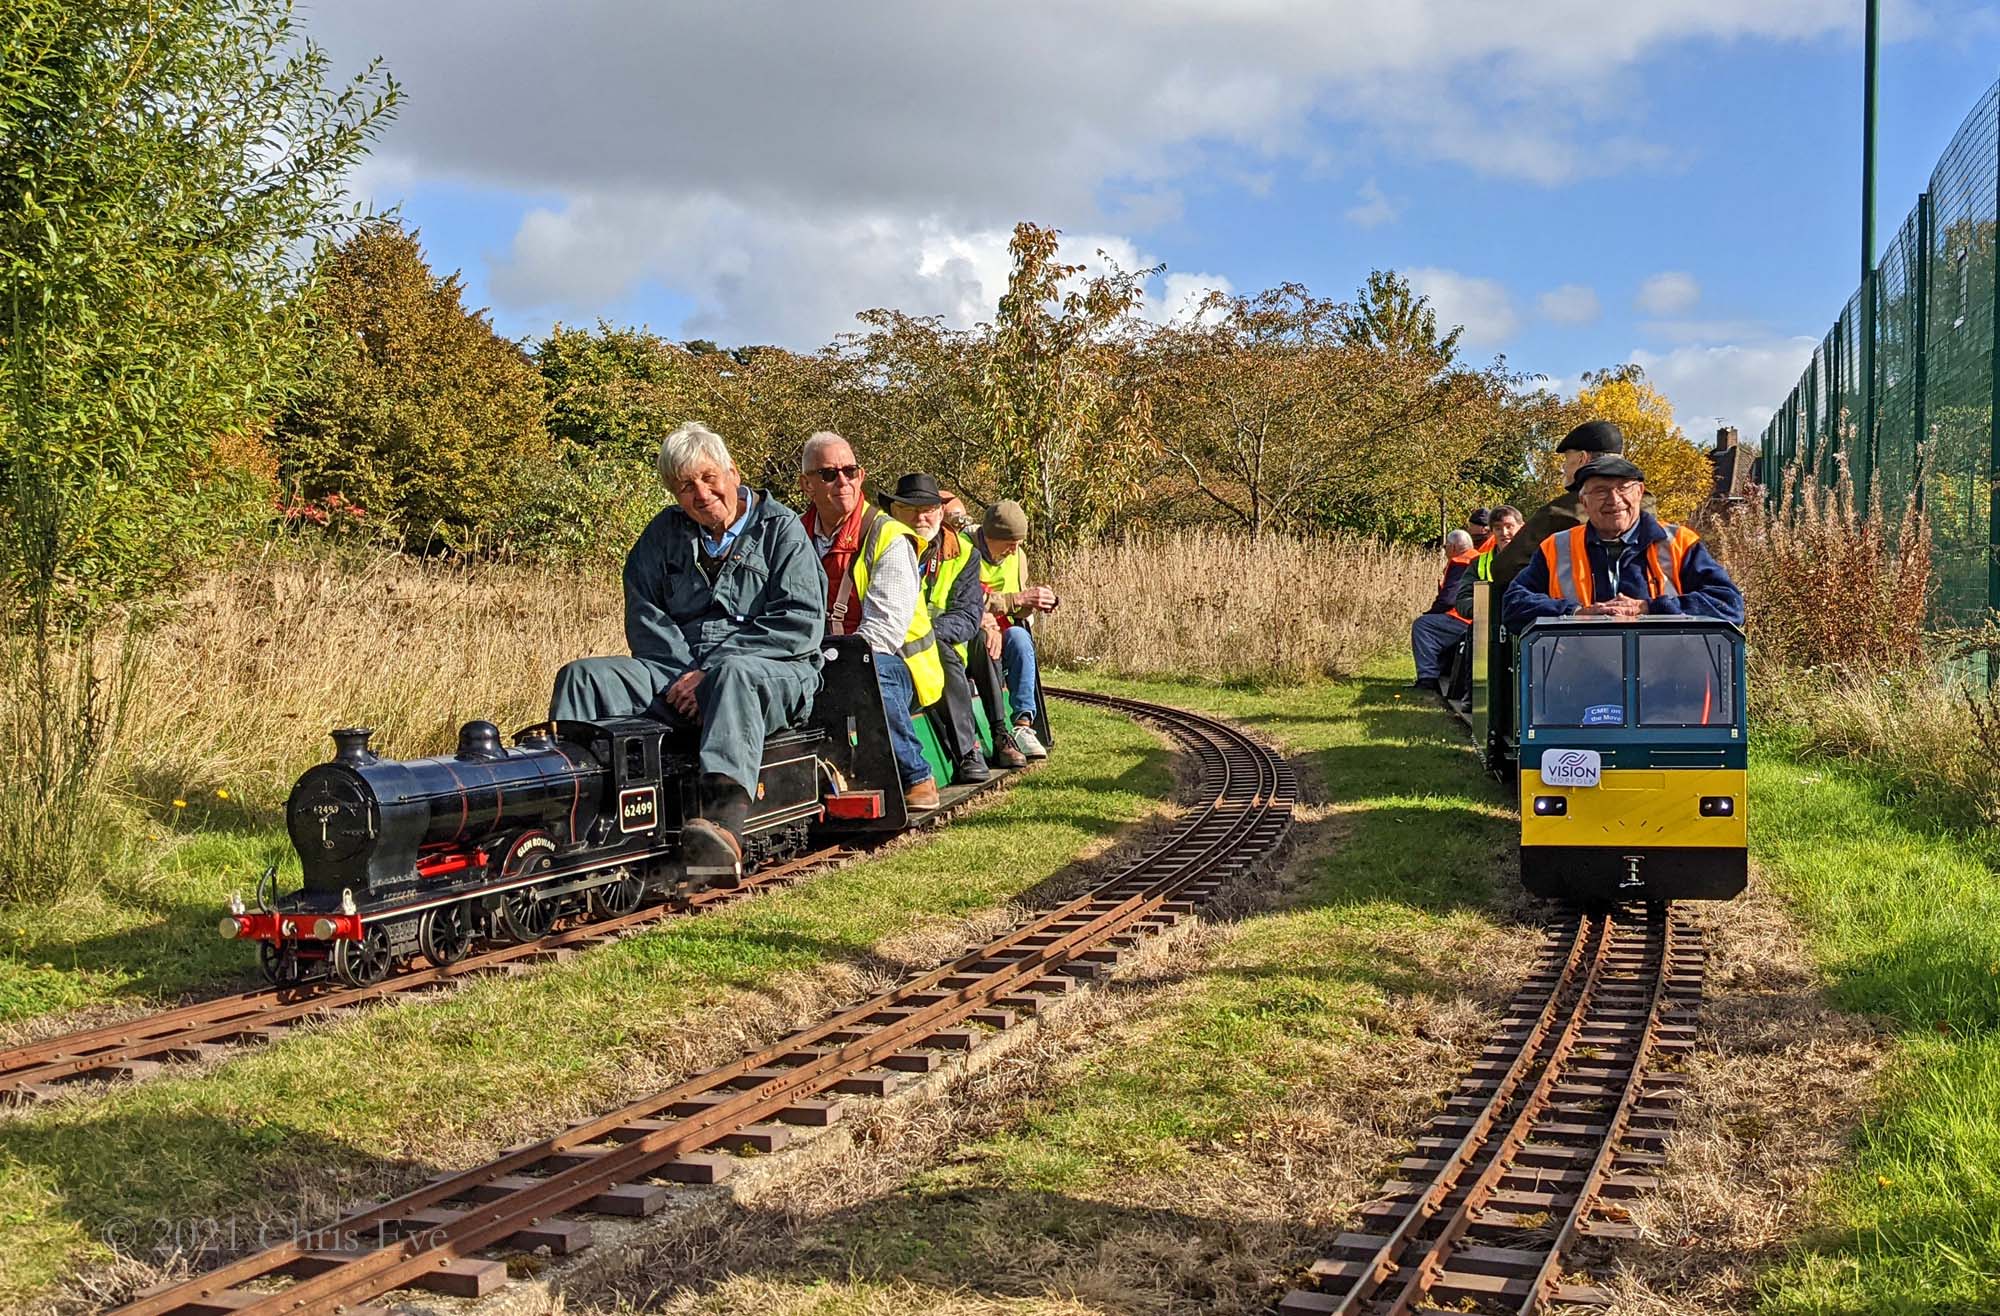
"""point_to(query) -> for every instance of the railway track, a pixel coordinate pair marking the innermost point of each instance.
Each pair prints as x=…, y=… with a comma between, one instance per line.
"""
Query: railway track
x=449, y=1236
x=136, y=1048
x=1562, y=1119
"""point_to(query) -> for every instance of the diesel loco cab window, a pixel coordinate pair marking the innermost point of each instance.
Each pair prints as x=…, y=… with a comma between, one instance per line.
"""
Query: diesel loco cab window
x=1579, y=680
x=1687, y=681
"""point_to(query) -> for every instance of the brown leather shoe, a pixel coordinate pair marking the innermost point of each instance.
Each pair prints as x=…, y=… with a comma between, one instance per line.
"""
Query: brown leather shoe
x=710, y=854
x=923, y=795
x=1007, y=756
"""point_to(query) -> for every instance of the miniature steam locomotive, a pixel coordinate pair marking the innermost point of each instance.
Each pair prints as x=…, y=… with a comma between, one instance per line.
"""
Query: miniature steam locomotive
x=496, y=842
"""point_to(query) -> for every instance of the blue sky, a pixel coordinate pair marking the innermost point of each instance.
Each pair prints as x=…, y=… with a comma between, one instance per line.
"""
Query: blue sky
x=1671, y=181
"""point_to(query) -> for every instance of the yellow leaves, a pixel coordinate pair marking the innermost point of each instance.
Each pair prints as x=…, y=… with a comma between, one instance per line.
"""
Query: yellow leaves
x=180, y=804
x=1677, y=473
x=1884, y=1181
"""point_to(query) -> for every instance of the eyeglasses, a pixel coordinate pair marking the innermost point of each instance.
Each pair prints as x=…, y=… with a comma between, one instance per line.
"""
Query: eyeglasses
x=1602, y=492
x=835, y=474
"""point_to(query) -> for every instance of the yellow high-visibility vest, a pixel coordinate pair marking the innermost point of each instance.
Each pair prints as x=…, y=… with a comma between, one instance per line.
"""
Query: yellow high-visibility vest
x=919, y=649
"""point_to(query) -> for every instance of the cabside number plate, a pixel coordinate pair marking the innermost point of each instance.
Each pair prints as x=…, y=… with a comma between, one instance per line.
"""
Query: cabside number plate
x=1571, y=767
x=639, y=809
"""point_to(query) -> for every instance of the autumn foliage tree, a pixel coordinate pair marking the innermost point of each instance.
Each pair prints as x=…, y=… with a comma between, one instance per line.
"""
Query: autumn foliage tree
x=1678, y=475
x=1072, y=438
x=417, y=411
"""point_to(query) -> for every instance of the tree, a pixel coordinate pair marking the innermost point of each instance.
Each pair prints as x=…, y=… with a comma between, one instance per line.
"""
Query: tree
x=1247, y=391
x=910, y=389
x=1073, y=444
x=1393, y=317
x=417, y=410
x=162, y=170
x=1678, y=475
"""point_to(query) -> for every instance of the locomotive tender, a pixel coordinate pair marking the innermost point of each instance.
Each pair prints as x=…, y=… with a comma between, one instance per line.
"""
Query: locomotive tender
x=432, y=856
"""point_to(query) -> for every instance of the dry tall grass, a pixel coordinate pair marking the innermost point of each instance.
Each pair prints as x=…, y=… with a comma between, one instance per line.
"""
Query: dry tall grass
x=1841, y=662
x=258, y=664
x=1830, y=586
x=1222, y=607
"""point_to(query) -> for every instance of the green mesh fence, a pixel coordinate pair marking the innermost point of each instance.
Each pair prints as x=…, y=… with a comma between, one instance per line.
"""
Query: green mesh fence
x=1919, y=424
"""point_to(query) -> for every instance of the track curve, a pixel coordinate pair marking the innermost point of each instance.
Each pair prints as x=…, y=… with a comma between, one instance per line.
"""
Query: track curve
x=542, y=1195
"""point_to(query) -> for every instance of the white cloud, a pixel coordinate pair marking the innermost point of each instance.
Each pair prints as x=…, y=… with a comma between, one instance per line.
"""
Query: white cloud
x=1742, y=383
x=766, y=158
x=1670, y=292
x=1182, y=294
x=1573, y=303
x=1483, y=306
x=1373, y=209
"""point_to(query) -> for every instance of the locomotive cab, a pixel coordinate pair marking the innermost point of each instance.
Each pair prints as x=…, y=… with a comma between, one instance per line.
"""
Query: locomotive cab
x=1633, y=758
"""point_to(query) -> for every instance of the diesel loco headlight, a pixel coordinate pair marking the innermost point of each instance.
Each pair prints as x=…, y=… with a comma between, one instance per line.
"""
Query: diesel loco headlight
x=1552, y=806
x=1718, y=806
x=323, y=928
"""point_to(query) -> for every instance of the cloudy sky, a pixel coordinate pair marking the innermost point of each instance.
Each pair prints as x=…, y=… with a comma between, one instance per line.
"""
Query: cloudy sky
x=1672, y=182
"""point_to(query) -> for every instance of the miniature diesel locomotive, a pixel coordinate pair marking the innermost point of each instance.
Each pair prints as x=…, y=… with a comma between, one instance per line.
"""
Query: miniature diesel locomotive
x=495, y=842
x=1628, y=743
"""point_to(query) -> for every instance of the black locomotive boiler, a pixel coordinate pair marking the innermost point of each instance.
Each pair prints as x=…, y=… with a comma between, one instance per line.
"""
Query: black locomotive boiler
x=433, y=856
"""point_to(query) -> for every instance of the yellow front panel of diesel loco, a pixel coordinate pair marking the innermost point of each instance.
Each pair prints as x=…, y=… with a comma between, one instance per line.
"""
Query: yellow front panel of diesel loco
x=1639, y=806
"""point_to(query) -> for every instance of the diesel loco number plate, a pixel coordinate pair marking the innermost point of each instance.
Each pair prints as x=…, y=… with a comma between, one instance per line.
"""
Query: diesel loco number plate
x=1572, y=767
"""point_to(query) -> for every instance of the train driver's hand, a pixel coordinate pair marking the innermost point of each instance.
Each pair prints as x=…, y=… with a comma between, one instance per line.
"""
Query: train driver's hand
x=681, y=694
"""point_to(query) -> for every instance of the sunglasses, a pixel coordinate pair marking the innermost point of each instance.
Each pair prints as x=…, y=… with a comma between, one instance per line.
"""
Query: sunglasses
x=835, y=474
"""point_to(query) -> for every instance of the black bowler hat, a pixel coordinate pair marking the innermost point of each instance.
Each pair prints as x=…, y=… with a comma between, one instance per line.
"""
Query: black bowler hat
x=1610, y=466
x=1593, y=436
x=915, y=490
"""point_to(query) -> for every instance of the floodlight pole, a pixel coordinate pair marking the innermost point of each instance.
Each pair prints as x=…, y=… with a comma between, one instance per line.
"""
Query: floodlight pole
x=1870, y=41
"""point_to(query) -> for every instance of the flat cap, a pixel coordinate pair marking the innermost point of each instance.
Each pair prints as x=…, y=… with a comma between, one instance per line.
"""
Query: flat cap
x=1593, y=436
x=1479, y=516
x=1005, y=520
x=1609, y=466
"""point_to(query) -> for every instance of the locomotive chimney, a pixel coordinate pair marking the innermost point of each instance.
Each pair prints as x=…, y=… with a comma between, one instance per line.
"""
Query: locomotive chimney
x=350, y=746
x=479, y=740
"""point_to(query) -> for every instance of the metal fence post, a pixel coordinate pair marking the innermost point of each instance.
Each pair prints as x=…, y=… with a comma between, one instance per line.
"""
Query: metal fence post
x=1920, y=343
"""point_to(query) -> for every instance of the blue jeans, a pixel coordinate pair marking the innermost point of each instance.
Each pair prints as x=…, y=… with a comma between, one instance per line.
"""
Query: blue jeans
x=899, y=692
x=1017, y=659
x=1432, y=637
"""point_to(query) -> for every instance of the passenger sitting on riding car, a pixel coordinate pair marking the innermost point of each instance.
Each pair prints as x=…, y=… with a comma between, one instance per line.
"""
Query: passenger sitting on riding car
x=724, y=607
x=1014, y=604
x=870, y=565
x=952, y=594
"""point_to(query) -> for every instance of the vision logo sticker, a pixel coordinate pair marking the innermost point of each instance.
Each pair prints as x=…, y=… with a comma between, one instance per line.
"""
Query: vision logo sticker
x=639, y=809
x=1571, y=767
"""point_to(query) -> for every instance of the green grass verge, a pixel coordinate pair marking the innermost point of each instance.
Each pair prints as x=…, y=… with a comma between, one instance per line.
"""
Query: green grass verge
x=149, y=1164
x=1385, y=914
x=1905, y=918
x=1080, y=1200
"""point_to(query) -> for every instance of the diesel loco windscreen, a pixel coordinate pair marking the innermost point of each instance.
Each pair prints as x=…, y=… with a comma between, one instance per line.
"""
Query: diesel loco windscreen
x=1686, y=681
x=1577, y=680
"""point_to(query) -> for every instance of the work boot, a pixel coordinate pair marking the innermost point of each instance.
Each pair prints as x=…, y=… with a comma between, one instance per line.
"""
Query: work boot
x=1007, y=755
x=971, y=771
x=923, y=795
x=712, y=844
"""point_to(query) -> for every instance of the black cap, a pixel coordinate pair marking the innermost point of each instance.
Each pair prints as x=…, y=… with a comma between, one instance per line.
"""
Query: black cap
x=916, y=490
x=1593, y=436
x=1479, y=516
x=1609, y=466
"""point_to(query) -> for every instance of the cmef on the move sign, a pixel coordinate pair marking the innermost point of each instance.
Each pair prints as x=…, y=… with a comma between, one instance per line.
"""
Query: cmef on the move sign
x=1571, y=767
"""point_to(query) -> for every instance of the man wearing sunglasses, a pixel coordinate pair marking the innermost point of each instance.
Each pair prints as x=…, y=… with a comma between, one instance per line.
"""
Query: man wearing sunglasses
x=872, y=590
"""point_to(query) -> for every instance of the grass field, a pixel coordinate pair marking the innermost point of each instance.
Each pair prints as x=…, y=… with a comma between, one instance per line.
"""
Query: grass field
x=1905, y=919
x=1191, y=1142
x=331, y=1114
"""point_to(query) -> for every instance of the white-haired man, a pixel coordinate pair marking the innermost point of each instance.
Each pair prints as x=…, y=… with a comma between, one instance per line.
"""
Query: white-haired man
x=723, y=613
x=1433, y=635
x=872, y=590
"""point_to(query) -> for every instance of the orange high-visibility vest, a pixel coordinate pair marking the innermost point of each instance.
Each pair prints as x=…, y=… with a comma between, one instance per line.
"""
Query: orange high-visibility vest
x=1568, y=562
